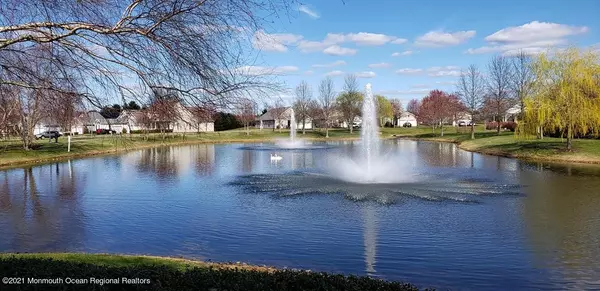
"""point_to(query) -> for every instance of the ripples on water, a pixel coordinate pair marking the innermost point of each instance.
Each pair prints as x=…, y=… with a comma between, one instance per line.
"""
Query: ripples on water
x=444, y=218
x=466, y=190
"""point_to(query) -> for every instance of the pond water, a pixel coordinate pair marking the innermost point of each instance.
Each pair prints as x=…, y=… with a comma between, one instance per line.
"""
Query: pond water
x=445, y=218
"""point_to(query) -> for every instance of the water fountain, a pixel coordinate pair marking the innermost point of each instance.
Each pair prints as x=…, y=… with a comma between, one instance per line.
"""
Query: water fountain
x=369, y=133
x=292, y=143
x=370, y=164
x=292, y=126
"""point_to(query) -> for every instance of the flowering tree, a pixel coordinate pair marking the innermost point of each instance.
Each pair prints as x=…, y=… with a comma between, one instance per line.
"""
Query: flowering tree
x=438, y=108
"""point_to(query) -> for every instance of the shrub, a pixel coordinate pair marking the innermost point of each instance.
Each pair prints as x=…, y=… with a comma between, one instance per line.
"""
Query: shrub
x=124, y=130
x=491, y=125
x=509, y=125
x=388, y=124
x=166, y=277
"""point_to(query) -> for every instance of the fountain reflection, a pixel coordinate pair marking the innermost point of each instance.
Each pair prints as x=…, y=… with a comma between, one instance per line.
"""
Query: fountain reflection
x=370, y=238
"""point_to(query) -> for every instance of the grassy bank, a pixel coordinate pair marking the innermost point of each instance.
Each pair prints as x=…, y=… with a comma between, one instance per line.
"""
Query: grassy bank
x=157, y=273
x=508, y=145
x=548, y=149
x=12, y=153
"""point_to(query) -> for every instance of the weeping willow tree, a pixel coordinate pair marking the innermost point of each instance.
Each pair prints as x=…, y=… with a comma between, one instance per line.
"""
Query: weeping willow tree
x=566, y=95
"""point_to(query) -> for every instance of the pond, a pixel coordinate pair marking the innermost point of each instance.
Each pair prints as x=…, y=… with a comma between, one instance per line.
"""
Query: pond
x=445, y=218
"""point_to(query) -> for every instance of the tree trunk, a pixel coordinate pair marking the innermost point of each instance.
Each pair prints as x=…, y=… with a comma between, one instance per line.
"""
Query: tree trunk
x=247, y=129
x=327, y=131
x=472, y=130
x=570, y=138
x=441, y=128
x=498, y=128
x=351, y=125
x=303, y=126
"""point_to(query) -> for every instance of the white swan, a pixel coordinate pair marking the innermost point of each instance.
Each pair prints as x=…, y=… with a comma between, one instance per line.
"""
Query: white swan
x=275, y=157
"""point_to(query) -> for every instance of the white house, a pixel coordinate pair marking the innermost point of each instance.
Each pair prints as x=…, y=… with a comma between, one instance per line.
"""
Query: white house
x=271, y=120
x=407, y=117
x=184, y=122
x=462, y=116
x=83, y=122
x=128, y=120
x=512, y=113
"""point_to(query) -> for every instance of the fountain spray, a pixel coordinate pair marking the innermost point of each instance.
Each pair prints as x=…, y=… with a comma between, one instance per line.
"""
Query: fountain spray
x=369, y=136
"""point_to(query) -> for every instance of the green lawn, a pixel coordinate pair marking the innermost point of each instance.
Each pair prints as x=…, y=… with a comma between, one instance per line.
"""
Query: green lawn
x=156, y=273
x=586, y=151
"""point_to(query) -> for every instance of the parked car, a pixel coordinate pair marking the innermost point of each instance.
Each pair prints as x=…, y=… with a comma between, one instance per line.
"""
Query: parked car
x=471, y=123
x=105, y=131
x=48, y=134
x=462, y=123
x=407, y=124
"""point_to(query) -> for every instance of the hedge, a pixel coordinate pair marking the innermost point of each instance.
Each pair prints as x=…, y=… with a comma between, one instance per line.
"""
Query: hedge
x=165, y=277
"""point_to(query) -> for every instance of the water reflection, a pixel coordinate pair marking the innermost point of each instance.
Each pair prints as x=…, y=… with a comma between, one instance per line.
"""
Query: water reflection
x=479, y=222
x=370, y=237
x=561, y=215
x=41, y=209
x=167, y=163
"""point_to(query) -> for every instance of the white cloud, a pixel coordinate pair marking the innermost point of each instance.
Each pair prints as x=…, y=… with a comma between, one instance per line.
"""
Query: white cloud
x=405, y=92
x=334, y=73
x=409, y=71
x=260, y=70
x=445, y=74
x=361, y=38
x=534, y=31
x=365, y=38
x=399, y=41
x=275, y=42
x=420, y=86
x=306, y=10
x=308, y=73
x=531, y=38
x=404, y=53
x=330, y=65
x=447, y=71
x=336, y=50
x=380, y=65
x=446, y=82
x=365, y=75
x=444, y=39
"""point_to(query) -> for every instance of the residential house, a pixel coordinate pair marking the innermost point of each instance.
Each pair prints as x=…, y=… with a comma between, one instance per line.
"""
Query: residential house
x=462, y=117
x=133, y=120
x=271, y=120
x=512, y=113
x=83, y=122
x=407, y=117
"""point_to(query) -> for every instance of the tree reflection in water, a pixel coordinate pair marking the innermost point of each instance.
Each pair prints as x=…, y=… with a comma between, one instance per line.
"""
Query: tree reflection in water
x=563, y=222
x=40, y=209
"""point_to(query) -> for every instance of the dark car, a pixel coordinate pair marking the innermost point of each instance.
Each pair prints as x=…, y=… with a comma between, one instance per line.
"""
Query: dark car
x=407, y=124
x=462, y=123
x=105, y=131
x=48, y=134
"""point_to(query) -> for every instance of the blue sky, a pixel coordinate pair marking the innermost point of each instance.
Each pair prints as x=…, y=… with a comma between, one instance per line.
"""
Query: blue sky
x=432, y=40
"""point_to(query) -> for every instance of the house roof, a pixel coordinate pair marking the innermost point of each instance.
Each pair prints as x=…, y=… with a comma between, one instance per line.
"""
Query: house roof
x=407, y=114
x=270, y=114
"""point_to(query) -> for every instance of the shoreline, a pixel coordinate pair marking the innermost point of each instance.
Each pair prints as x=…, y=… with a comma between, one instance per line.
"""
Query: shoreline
x=94, y=153
x=461, y=144
x=505, y=154
x=72, y=271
